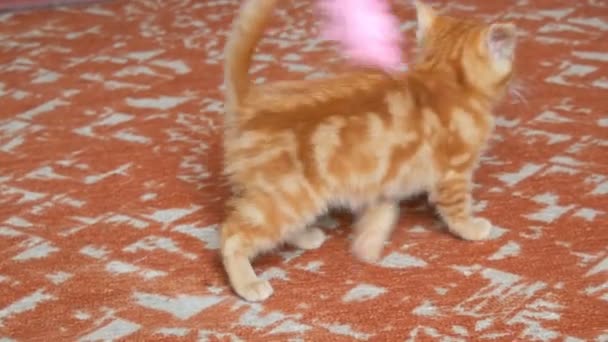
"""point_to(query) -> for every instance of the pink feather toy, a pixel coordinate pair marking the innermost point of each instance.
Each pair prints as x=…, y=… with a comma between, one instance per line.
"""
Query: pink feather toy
x=366, y=31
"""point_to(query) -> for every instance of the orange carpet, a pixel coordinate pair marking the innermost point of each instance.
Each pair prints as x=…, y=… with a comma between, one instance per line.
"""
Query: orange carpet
x=110, y=189
x=20, y=5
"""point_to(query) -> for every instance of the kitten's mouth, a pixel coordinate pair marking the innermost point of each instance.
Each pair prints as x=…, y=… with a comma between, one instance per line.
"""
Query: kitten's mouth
x=516, y=97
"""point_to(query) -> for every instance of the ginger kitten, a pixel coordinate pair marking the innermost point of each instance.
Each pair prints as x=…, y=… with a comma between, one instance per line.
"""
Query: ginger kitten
x=363, y=140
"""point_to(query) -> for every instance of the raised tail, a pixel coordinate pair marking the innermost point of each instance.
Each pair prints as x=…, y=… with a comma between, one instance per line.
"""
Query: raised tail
x=247, y=30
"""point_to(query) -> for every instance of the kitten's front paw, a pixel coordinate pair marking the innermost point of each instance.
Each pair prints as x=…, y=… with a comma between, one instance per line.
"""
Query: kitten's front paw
x=256, y=291
x=368, y=247
x=474, y=230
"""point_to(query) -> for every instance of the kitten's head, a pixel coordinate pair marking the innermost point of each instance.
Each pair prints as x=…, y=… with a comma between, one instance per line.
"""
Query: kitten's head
x=482, y=53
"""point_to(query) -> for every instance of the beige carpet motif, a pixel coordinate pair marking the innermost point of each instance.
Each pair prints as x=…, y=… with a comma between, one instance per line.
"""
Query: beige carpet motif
x=110, y=189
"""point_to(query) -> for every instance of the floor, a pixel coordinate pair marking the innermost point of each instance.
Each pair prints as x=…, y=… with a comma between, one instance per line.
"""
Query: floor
x=110, y=189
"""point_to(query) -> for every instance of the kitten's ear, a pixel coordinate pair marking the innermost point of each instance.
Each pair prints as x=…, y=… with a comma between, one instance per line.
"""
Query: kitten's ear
x=426, y=16
x=501, y=39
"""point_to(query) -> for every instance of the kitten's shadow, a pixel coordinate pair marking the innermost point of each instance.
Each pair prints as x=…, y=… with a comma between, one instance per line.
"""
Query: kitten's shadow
x=415, y=210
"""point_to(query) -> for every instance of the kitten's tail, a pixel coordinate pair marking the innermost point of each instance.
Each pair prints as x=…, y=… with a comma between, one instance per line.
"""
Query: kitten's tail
x=247, y=30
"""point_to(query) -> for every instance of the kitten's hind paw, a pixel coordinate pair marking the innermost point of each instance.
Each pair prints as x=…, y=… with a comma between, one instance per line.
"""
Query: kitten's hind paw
x=310, y=238
x=474, y=230
x=256, y=291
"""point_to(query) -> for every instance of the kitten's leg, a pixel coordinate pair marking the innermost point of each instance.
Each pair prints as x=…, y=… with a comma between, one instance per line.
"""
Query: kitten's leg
x=452, y=197
x=240, y=243
x=308, y=238
x=255, y=224
x=373, y=228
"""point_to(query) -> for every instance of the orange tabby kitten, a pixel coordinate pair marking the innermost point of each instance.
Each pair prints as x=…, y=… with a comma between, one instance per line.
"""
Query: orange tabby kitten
x=364, y=140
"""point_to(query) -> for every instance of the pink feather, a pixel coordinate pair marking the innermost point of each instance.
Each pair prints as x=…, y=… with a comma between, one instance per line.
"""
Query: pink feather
x=366, y=30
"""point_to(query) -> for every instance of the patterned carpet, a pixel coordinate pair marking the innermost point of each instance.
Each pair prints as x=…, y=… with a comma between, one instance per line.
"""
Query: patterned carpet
x=110, y=192
x=20, y=5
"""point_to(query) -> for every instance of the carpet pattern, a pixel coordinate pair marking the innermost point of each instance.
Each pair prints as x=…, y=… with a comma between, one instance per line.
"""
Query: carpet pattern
x=110, y=189
x=20, y=5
